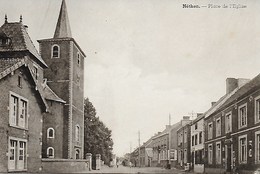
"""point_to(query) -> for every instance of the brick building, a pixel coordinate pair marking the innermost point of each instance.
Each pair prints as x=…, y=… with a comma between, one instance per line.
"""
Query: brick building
x=146, y=154
x=41, y=99
x=197, y=144
x=160, y=144
x=65, y=76
x=173, y=136
x=22, y=100
x=232, y=131
x=183, y=149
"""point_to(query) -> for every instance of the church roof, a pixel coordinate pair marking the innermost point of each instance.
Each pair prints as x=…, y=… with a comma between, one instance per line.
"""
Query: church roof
x=63, y=26
x=20, y=40
x=50, y=95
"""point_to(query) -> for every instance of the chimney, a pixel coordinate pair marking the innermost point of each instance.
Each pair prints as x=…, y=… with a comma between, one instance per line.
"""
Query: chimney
x=231, y=84
x=168, y=126
x=212, y=103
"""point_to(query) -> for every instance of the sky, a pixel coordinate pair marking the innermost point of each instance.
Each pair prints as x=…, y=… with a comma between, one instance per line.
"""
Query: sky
x=147, y=59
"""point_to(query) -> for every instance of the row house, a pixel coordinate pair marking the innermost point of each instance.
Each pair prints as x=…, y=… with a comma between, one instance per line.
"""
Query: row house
x=146, y=154
x=160, y=145
x=232, y=130
x=183, y=134
x=197, y=144
x=173, y=136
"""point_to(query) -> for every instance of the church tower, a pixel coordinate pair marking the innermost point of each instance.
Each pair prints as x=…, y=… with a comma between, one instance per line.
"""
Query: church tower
x=65, y=76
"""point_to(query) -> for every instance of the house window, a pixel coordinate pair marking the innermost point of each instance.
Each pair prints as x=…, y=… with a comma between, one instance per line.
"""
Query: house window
x=218, y=127
x=19, y=81
x=242, y=116
x=200, y=137
x=77, y=133
x=17, y=155
x=35, y=72
x=218, y=153
x=13, y=110
x=196, y=126
x=196, y=139
x=50, y=133
x=257, y=109
x=210, y=154
x=228, y=122
x=243, y=149
x=257, y=147
x=185, y=137
x=192, y=141
x=78, y=58
x=50, y=152
x=210, y=131
x=55, y=51
x=18, y=111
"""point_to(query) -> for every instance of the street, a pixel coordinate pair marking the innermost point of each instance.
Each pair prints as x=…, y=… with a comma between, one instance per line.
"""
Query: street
x=123, y=169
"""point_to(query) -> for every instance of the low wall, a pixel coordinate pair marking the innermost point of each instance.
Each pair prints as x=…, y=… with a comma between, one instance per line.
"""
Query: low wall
x=64, y=166
x=199, y=168
x=215, y=170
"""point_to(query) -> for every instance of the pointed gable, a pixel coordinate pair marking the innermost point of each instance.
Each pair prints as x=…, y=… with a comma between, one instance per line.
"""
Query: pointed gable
x=63, y=25
x=19, y=40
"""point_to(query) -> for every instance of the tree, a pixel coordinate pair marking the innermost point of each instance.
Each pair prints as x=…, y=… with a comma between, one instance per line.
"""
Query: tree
x=97, y=137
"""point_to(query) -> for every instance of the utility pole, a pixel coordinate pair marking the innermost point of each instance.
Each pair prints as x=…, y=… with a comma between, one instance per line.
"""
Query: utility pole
x=139, y=161
x=169, y=119
x=169, y=145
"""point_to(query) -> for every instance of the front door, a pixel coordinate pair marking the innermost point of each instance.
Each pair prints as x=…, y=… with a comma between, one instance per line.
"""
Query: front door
x=12, y=154
x=21, y=155
x=229, y=157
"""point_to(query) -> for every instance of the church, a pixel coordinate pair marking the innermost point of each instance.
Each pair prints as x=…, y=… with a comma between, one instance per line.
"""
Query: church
x=42, y=97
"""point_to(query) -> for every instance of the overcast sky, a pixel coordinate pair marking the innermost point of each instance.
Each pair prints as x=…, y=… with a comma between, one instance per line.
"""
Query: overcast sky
x=148, y=58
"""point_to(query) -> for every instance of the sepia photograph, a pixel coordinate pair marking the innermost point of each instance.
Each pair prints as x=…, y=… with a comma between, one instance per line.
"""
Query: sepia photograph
x=130, y=86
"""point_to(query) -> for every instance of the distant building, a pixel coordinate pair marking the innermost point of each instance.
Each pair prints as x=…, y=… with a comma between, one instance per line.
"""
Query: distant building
x=146, y=154
x=165, y=144
x=173, y=148
x=160, y=144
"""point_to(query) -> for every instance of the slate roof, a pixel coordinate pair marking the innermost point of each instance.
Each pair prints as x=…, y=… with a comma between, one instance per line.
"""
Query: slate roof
x=6, y=63
x=20, y=40
x=50, y=95
x=244, y=90
x=63, y=26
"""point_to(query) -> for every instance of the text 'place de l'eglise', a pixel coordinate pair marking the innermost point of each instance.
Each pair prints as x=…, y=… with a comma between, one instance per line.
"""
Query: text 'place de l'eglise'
x=42, y=114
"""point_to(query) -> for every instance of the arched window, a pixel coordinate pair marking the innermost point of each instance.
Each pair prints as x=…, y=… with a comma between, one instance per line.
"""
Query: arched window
x=50, y=152
x=77, y=154
x=50, y=133
x=77, y=133
x=55, y=51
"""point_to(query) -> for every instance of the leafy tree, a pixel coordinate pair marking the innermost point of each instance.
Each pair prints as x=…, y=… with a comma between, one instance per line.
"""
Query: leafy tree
x=97, y=137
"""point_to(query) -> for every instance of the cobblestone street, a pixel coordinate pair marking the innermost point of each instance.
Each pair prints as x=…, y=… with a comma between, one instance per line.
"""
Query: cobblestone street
x=123, y=169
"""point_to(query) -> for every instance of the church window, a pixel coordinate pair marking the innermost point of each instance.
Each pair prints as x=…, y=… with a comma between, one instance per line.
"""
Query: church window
x=77, y=133
x=50, y=133
x=78, y=56
x=50, y=152
x=55, y=51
